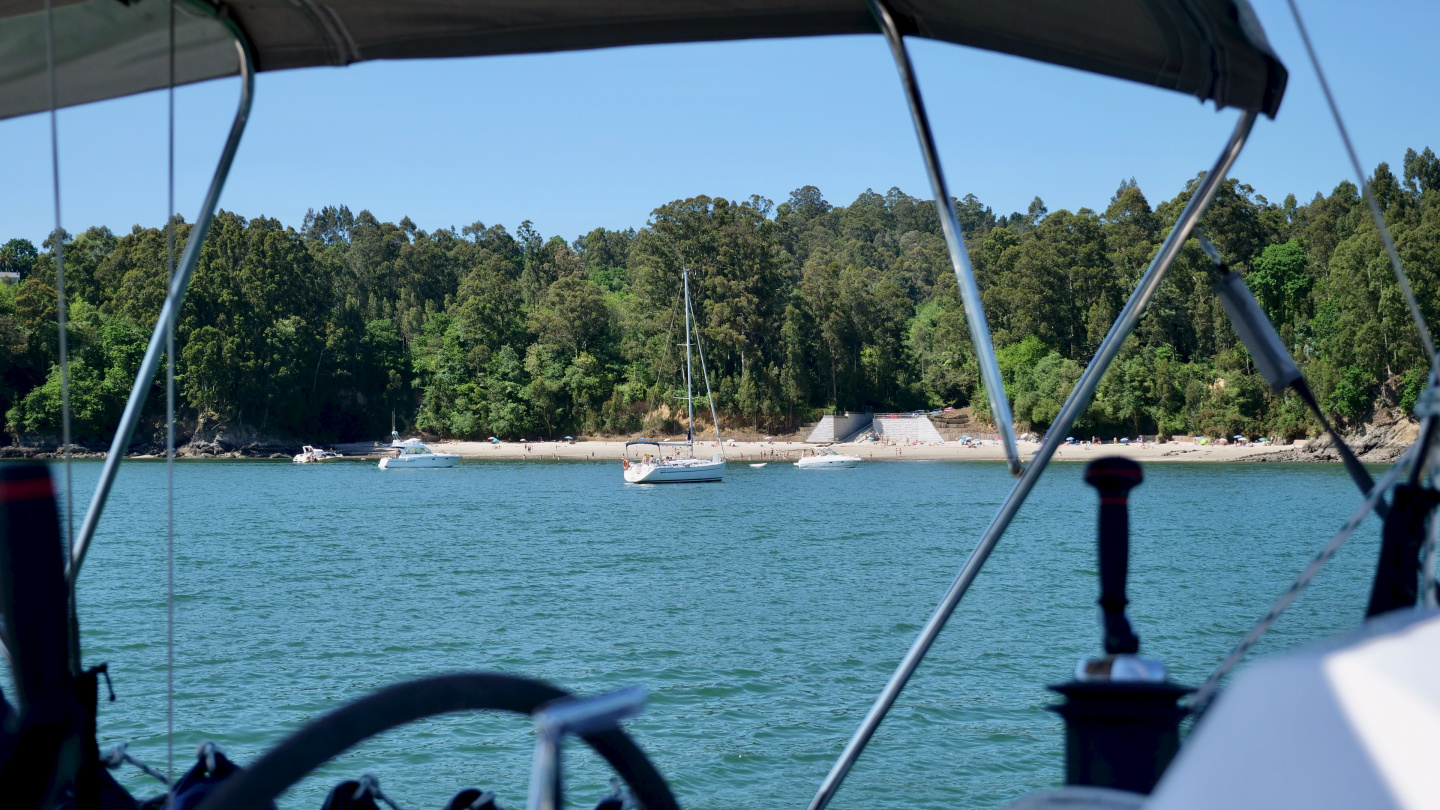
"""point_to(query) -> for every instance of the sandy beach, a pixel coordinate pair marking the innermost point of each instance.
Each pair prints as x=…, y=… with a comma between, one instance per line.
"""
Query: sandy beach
x=870, y=451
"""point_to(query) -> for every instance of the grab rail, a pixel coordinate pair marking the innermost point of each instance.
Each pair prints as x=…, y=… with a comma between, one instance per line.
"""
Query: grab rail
x=170, y=311
x=954, y=241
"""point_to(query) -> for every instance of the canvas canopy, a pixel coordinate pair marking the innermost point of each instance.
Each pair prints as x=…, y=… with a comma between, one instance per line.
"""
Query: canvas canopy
x=1212, y=49
x=1351, y=722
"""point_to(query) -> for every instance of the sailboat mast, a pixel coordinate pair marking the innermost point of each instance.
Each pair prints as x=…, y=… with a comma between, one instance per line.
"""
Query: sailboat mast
x=689, y=366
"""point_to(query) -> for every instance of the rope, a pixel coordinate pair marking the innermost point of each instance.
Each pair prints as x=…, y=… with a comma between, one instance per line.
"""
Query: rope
x=1200, y=700
x=370, y=784
x=485, y=797
x=118, y=756
x=1424, y=331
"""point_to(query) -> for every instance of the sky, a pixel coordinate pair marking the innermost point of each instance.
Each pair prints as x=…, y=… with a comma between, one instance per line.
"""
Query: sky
x=600, y=138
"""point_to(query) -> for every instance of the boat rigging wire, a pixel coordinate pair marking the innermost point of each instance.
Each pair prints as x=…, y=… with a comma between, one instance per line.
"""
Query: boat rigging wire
x=170, y=433
x=1200, y=699
x=1426, y=342
x=689, y=367
x=954, y=241
x=1078, y=400
x=61, y=318
x=169, y=311
x=1427, y=555
x=709, y=397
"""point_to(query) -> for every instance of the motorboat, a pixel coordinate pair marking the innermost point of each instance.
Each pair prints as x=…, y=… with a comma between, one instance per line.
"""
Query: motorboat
x=659, y=468
x=312, y=455
x=758, y=466
x=414, y=454
x=1350, y=722
x=827, y=459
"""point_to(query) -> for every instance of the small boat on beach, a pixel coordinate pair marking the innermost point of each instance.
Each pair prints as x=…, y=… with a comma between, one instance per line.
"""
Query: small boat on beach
x=412, y=453
x=312, y=455
x=826, y=459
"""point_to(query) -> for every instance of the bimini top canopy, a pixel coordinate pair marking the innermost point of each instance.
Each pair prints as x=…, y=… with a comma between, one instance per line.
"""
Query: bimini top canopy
x=1212, y=49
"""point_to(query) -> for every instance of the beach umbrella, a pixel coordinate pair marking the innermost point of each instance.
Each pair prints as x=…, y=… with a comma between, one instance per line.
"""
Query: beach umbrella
x=1124, y=441
x=569, y=438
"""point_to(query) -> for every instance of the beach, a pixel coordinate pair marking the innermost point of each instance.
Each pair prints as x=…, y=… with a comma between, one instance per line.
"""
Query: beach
x=758, y=451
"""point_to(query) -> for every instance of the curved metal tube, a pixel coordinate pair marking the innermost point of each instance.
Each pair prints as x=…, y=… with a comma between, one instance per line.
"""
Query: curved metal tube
x=335, y=733
x=169, y=312
x=954, y=241
x=1077, y=402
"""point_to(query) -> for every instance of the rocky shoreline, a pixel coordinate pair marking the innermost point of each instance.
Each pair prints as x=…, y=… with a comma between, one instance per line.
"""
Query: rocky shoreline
x=207, y=439
x=1382, y=440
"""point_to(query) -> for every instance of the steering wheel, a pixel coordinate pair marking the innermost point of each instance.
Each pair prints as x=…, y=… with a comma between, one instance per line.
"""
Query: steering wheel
x=394, y=706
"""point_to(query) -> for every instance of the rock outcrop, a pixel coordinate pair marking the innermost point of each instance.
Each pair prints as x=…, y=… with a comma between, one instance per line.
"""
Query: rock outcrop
x=1380, y=440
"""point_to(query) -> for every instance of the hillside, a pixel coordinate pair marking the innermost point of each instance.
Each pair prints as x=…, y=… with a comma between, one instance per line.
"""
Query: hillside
x=324, y=330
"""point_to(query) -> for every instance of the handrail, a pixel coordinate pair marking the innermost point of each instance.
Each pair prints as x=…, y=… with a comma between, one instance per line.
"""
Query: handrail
x=1078, y=400
x=954, y=240
x=170, y=311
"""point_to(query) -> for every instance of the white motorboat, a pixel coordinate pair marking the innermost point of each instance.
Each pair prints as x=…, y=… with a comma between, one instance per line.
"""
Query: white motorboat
x=658, y=469
x=758, y=466
x=311, y=455
x=826, y=459
x=412, y=453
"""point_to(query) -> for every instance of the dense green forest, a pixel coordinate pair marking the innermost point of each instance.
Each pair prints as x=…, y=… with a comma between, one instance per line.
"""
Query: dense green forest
x=322, y=331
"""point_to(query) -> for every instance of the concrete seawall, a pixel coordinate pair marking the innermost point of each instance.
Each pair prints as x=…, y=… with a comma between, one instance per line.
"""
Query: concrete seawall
x=835, y=428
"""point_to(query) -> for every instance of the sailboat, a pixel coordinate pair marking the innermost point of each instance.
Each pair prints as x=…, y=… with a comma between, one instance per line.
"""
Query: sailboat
x=1347, y=722
x=657, y=468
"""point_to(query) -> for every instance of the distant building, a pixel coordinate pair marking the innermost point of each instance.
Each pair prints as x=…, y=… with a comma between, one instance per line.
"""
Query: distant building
x=9, y=278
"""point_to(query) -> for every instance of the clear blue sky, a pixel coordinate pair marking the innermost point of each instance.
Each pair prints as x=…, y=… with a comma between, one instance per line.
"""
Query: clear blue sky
x=600, y=138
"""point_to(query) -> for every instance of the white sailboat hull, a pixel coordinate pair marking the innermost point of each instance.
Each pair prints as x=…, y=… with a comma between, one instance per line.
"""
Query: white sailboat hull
x=681, y=471
x=418, y=461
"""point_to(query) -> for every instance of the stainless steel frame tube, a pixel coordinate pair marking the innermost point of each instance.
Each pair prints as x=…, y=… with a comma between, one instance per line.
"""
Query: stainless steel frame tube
x=954, y=241
x=168, y=313
x=1077, y=402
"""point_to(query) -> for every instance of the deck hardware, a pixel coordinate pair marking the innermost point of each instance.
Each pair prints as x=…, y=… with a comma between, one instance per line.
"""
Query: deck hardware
x=1122, y=725
x=573, y=716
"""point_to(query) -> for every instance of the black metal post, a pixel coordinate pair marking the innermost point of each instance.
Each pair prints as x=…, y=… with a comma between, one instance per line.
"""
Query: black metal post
x=1122, y=724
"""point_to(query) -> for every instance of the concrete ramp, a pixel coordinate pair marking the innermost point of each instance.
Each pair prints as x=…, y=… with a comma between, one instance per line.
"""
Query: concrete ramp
x=905, y=427
x=834, y=428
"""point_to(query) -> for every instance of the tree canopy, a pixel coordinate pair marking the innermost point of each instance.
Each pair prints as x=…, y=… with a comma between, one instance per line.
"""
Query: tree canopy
x=323, y=331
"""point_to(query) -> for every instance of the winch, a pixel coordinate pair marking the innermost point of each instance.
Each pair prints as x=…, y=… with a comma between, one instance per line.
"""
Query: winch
x=1122, y=721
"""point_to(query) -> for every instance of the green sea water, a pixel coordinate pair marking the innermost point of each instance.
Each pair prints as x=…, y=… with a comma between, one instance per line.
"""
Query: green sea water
x=763, y=614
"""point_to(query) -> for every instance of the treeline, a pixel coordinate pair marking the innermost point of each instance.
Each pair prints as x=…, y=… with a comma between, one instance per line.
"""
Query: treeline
x=323, y=331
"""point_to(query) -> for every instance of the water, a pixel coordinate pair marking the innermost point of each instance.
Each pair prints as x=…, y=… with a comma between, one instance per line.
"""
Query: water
x=763, y=614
